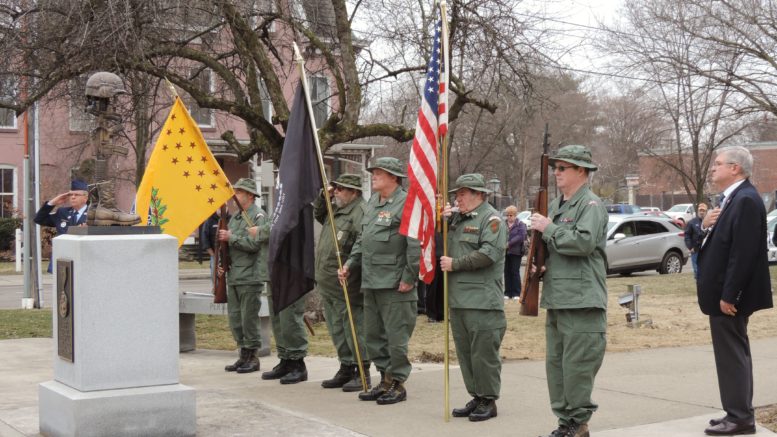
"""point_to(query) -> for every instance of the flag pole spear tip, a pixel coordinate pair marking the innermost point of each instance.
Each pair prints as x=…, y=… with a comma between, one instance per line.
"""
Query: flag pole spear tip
x=172, y=88
x=297, y=55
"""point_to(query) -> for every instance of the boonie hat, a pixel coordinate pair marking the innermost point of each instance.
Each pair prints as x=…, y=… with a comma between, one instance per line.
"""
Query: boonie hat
x=351, y=181
x=574, y=154
x=247, y=185
x=389, y=164
x=473, y=181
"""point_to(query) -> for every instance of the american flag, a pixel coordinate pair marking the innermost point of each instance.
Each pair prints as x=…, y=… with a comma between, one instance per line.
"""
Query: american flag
x=418, y=217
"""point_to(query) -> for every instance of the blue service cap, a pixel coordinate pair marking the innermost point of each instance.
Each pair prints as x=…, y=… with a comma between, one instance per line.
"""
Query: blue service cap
x=77, y=185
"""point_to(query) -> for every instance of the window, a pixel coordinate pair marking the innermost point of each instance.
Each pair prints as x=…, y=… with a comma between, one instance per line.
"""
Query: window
x=79, y=120
x=647, y=228
x=626, y=229
x=319, y=97
x=7, y=94
x=7, y=191
x=202, y=78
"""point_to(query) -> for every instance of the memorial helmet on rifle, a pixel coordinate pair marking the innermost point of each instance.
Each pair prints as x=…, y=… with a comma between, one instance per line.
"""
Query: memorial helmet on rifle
x=101, y=87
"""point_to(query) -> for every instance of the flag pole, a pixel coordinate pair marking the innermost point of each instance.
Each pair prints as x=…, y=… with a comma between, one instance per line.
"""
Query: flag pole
x=444, y=189
x=328, y=201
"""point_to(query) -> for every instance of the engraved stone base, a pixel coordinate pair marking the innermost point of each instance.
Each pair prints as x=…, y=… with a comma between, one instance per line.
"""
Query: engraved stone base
x=162, y=410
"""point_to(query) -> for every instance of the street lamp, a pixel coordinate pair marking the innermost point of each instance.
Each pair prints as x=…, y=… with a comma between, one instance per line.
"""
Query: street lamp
x=494, y=184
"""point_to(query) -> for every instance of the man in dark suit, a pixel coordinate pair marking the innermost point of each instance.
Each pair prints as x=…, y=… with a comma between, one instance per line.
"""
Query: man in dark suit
x=64, y=217
x=734, y=283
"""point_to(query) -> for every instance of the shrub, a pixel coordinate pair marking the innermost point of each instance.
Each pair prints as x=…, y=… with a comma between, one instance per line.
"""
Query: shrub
x=8, y=226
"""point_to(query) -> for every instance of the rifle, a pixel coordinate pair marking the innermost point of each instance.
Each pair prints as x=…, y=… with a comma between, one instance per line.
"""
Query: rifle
x=221, y=262
x=530, y=296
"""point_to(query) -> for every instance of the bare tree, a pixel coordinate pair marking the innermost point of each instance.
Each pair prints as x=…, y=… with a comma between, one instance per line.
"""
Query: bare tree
x=701, y=113
x=740, y=30
x=246, y=46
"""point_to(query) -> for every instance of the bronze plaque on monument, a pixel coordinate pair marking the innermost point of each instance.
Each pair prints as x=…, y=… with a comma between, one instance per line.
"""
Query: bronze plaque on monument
x=64, y=308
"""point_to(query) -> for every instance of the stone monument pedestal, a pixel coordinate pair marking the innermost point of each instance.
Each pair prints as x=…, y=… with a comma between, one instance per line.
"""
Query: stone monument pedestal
x=116, y=340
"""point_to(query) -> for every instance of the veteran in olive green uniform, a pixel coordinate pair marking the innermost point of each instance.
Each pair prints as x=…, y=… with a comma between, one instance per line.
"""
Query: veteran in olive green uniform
x=389, y=263
x=477, y=241
x=574, y=291
x=348, y=210
x=288, y=329
x=244, y=282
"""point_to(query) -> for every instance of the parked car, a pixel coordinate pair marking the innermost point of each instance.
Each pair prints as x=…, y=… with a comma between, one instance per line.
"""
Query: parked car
x=640, y=242
x=524, y=216
x=772, y=249
x=772, y=214
x=682, y=211
x=622, y=208
x=650, y=210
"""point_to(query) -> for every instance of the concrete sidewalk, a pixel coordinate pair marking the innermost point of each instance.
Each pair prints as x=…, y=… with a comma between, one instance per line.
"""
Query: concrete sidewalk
x=649, y=393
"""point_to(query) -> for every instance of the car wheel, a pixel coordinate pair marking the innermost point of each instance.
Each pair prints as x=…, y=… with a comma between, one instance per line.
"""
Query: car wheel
x=672, y=263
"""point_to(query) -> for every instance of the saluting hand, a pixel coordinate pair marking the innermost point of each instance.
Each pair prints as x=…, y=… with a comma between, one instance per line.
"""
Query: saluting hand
x=60, y=199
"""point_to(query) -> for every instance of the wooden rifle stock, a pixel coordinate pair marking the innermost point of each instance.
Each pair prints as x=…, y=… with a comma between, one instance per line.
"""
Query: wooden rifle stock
x=530, y=295
x=221, y=262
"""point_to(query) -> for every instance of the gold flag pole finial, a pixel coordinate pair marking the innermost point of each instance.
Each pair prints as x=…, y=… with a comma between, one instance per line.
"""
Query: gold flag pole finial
x=171, y=87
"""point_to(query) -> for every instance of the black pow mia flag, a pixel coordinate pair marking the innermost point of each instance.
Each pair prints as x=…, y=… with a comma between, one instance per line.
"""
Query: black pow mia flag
x=291, y=259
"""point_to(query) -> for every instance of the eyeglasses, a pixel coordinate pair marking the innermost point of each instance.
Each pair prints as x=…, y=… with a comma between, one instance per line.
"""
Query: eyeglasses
x=561, y=168
x=339, y=188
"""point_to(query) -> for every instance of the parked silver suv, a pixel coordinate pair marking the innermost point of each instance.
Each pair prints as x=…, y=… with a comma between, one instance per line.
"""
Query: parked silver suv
x=637, y=243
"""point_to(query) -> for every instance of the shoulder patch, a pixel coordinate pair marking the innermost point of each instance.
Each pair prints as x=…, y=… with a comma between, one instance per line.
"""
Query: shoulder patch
x=494, y=217
x=593, y=202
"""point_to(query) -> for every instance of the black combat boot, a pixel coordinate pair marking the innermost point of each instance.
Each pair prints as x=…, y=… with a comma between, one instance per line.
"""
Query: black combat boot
x=577, y=430
x=342, y=376
x=485, y=410
x=251, y=364
x=279, y=371
x=378, y=390
x=355, y=384
x=395, y=393
x=469, y=408
x=561, y=431
x=240, y=361
x=297, y=374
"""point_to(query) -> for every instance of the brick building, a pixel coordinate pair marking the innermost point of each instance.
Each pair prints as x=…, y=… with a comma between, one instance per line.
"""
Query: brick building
x=661, y=186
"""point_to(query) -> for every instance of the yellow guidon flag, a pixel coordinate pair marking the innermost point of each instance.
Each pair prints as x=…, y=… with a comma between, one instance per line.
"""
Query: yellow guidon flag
x=183, y=183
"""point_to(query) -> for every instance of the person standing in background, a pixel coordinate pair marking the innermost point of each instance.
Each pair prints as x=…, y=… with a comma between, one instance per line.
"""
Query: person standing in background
x=516, y=237
x=694, y=237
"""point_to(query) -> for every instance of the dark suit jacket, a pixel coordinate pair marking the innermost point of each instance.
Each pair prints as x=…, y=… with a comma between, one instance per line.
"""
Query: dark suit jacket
x=733, y=264
x=61, y=219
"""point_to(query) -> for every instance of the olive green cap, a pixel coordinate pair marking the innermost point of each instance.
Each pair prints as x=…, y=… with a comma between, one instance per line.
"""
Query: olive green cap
x=575, y=154
x=389, y=164
x=351, y=181
x=248, y=185
x=473, y=181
